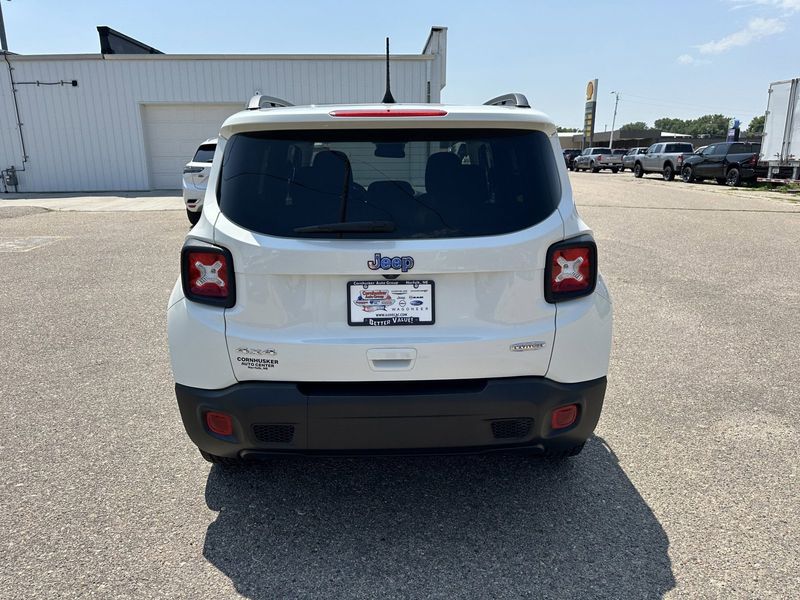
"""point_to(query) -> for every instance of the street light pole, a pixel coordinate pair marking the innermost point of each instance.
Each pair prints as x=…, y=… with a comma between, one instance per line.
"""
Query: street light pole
x=613, y=120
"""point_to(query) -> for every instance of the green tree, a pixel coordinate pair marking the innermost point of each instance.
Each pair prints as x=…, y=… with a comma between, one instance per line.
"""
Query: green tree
x=671, y=125
x=715, y=125
x=635, y=126
x=756, y=125
x=567, y=129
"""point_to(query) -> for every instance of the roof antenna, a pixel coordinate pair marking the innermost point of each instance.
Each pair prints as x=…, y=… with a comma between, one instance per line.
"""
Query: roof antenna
x=387, y=97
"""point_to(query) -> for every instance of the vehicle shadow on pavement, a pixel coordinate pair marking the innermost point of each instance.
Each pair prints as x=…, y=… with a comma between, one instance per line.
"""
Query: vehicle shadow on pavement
x=437, y=527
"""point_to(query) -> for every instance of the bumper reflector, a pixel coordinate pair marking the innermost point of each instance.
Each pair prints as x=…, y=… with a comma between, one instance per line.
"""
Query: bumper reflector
x=219, y=423
x=564, y=416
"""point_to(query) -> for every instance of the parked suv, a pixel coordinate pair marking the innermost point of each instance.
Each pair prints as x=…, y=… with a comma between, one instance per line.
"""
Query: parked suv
x=595, y=159
x=357, y=283
x=195, y=178
x=665, y=158
x=729, y=163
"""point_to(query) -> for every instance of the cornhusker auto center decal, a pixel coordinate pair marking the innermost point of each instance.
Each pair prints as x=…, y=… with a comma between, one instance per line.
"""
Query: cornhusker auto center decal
x=387, y=303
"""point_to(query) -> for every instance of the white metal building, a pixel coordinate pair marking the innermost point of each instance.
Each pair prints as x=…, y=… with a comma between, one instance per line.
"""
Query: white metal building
x=134, y=120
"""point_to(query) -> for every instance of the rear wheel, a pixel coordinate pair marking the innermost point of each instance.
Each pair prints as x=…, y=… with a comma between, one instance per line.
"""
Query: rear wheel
x=687, y=174
x=734, y=177
x=668, y=173
x=637, y=170
x=622, y=169
x=615, y=169
x=194, y=217
x=593, y=168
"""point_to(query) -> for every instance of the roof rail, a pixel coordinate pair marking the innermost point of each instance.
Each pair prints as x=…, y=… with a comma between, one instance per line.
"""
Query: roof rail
x=517, y=100
x=261, y=101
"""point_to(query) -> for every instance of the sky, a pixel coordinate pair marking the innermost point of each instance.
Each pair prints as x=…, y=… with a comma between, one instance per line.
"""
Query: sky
x=699, y=57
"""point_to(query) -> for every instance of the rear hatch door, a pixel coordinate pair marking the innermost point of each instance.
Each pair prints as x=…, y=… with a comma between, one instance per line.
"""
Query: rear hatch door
x=389, y=255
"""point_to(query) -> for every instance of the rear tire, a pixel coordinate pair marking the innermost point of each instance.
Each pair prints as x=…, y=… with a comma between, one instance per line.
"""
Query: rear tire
x=638, y=171
x=734, y=177
x=593, y=168
x=194, y=217
x=223, y=461
x=687, y=174
x=668, y=173
x=615, y=169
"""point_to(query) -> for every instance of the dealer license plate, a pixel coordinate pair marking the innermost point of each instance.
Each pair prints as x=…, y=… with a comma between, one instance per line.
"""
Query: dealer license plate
x=387, y=303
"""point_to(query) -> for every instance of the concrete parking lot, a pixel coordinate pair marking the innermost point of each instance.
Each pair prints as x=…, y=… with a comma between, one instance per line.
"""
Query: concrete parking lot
x=689, y=489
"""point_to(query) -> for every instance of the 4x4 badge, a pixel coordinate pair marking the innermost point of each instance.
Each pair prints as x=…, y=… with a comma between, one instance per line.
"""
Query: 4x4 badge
x=404, y=263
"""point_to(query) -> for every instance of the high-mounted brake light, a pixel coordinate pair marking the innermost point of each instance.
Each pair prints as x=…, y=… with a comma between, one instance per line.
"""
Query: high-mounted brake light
x=207, y=275
x=389, y=112
x=571, y=269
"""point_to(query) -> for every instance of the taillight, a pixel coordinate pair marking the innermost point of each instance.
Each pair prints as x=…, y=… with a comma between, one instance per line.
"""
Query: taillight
x=207, y=275
x=680, y=159
x=599, y=158
x=571, y=269
x=750, y=162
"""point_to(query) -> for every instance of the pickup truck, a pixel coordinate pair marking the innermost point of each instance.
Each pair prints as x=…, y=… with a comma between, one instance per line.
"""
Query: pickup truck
x=729, y=163
x=630, y=157
x=665, y=158
x=595, y=159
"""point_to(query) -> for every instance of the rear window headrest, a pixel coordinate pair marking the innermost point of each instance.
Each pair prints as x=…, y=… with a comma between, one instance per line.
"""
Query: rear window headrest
x=441, y=172
x=391, y=187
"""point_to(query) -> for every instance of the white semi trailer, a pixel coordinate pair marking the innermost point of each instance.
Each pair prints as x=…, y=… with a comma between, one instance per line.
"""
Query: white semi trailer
x=780, y=144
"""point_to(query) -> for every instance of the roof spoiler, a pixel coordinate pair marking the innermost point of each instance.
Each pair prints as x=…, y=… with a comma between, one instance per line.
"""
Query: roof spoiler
x=261, y=101
x=517, y=100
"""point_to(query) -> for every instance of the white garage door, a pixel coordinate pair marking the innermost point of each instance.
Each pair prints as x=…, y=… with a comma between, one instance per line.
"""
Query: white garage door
x=172, y=133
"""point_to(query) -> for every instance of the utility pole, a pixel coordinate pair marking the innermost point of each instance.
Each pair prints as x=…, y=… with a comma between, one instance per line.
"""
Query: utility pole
x=613, y=120
x=3, y=41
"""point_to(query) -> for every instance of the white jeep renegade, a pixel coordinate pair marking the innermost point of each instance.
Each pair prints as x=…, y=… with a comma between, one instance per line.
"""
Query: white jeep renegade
x=389, y=278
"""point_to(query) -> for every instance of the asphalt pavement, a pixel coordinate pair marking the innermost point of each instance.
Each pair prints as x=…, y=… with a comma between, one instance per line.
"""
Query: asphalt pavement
x=689, y=489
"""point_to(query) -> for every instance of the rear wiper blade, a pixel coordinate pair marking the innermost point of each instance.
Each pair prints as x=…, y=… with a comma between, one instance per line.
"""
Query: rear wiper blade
x=349, y=227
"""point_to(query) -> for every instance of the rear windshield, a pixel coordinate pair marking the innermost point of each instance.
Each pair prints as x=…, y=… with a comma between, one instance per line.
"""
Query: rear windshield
x=601, y=151
x=396, y=183
x=205, y=153
x=672, y=148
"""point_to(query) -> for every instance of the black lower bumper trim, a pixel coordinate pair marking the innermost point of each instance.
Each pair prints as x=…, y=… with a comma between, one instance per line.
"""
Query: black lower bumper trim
x=392, y=417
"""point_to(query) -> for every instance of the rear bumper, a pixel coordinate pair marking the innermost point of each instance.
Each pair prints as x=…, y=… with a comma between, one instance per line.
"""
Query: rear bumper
x=193, y=197
x=482, y=415
x=748, y=174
